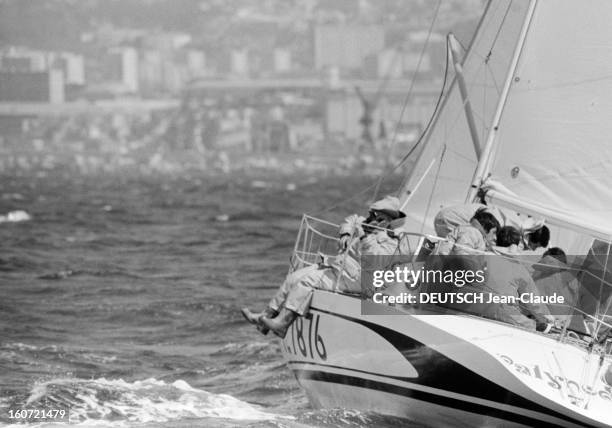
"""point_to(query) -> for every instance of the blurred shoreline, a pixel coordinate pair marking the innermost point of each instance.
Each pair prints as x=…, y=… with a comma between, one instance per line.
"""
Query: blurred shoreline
x=68, y=149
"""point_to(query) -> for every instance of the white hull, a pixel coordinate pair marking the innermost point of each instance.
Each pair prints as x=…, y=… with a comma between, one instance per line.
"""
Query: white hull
x=443, y=370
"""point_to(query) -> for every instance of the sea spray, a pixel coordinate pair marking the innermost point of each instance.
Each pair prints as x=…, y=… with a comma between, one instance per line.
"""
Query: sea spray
x=148, y=400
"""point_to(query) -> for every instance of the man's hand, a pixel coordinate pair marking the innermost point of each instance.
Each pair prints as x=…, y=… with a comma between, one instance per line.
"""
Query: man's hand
x=344, y=242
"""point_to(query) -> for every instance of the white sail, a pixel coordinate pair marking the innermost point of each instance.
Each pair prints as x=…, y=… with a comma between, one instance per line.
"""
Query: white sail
x=553, y=147
x=446, y=165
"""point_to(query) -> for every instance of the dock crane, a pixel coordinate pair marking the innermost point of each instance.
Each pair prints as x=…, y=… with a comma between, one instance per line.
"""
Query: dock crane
x=369, y=105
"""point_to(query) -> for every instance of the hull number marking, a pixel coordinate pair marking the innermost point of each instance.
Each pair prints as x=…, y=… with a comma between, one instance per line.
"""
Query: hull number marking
x=303, y=338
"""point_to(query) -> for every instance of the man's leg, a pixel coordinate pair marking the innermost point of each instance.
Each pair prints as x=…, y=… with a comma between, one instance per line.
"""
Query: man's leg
x=275, y=304
x=299, y=296
x=292, y=279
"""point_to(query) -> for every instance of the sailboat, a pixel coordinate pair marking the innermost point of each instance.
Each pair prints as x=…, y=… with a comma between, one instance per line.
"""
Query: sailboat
x=527, y=122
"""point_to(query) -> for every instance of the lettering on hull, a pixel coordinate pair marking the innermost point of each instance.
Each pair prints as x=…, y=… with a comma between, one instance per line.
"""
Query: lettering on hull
x=575, y=391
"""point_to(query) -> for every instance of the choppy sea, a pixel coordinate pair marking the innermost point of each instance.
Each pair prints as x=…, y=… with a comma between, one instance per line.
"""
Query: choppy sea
x=120, y=297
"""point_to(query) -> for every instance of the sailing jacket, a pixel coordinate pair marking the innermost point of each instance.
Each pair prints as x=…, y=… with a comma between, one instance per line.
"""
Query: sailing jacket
x=375, y=242
x=461, y=241
x=456, y=215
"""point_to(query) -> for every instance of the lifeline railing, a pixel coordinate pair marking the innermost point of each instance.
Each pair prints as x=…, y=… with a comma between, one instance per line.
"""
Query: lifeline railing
x=317, y=236
x=312, y=241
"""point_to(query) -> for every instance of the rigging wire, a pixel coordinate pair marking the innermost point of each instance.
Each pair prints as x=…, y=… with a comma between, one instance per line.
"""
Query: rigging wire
x=485, y=128
x=429, y=122
x=461, y=44
x=498, y=32
x=409, y=94
x=410, y=152
x=431, y=195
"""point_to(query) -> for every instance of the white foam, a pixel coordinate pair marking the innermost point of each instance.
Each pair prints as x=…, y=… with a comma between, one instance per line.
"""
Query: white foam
x=19, y=346
x=222, y=217
x=143, y=401
x=99, y=358
x=250, y=347
x=15, y=217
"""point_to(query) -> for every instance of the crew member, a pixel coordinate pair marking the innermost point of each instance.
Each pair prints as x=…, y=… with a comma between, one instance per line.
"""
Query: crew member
x=533, y=231
x=363, y=236
x=478, y=235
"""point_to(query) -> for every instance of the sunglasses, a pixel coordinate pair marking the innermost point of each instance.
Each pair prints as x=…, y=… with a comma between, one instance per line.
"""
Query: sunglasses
x=378, y=216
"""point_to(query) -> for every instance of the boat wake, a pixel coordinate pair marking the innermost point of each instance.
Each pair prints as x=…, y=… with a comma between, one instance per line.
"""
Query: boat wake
x=103, y=400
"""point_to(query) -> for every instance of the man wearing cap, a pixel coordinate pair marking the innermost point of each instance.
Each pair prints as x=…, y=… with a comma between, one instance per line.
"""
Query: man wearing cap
x=374, y=233
x=366, y=236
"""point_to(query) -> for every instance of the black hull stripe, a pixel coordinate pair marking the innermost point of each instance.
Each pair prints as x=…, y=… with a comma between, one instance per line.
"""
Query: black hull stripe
x=448, y=375
x=440, y=400
x=331, y=366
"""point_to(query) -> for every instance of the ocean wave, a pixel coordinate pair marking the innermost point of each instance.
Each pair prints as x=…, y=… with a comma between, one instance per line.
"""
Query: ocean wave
x=141, y=401
x=155, y=301
x=17, y=263
x=19, y=346
x=61, y=353
x=247, y=349
x=333, y=418
x=248, y=377
x=66, y=273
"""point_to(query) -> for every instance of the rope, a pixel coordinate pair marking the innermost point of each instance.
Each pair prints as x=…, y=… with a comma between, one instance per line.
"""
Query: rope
x=344, y=201
x=498, y=32
x=408, y=95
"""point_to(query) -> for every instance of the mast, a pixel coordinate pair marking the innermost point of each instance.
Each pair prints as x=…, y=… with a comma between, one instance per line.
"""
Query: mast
x=484, y=161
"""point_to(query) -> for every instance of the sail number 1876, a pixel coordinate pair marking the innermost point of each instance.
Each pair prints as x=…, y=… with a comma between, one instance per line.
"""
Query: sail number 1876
x=303, y=338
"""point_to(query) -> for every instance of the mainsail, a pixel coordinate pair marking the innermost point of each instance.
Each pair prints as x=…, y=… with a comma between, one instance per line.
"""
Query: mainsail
x=553, y=144
x=549, y=148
